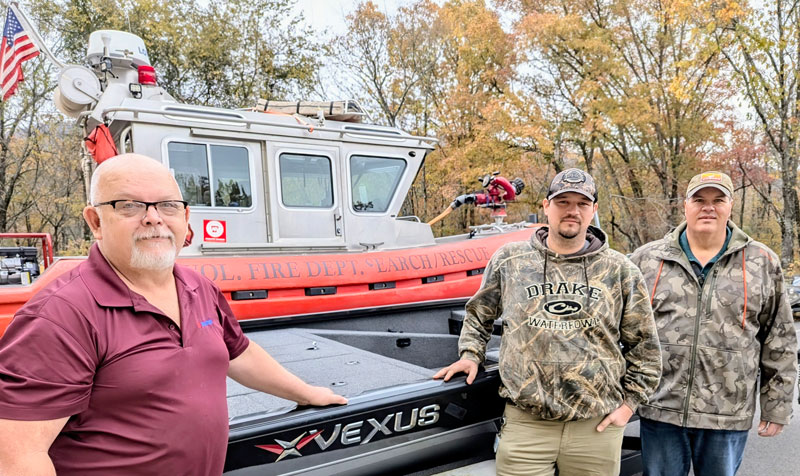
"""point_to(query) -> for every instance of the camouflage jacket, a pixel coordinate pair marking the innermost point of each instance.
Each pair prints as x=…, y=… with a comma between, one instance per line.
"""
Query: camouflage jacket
x=712, y=347
x=564, y=318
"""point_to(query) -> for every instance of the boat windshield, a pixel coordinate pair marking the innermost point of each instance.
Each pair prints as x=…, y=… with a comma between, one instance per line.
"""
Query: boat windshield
x=374, y=182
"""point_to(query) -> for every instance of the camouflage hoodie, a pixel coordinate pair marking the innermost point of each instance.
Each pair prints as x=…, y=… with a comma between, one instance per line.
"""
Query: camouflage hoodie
x=712, y=348
x=564, y=318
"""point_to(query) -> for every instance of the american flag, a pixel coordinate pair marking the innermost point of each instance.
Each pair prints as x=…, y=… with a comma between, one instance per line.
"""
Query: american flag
x=16, y=48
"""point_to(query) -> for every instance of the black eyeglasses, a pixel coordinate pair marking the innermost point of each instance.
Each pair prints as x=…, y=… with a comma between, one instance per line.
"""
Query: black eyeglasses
x=133, y=208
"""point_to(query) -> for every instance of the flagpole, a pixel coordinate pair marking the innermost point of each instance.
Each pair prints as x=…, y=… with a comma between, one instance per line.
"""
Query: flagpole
x=37, y=40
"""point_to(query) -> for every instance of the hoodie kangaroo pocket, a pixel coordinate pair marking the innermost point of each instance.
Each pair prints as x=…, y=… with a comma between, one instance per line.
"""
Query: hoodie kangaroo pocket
x=720, y=385
x=588, y=389
x=671, y=392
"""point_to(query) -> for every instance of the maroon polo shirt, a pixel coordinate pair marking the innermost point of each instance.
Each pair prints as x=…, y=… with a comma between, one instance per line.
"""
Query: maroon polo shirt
x=143, y=396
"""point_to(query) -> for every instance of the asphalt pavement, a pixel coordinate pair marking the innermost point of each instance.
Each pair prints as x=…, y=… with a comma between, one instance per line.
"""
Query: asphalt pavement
x=778, y=455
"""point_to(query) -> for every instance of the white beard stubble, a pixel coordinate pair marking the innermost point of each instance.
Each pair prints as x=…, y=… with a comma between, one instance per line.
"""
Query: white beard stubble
x=153, y=260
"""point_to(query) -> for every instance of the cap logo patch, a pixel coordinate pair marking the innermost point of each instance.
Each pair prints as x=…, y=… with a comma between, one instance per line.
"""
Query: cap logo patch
x=710, y=177
x=574, y=176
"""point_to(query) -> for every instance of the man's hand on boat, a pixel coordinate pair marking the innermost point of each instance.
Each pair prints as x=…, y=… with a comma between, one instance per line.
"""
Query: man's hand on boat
x=256, y=369
x=462, y=366
x=322, y=396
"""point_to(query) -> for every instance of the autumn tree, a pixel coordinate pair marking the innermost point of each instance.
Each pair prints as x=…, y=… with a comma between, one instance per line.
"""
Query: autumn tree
x=762, y=44
x=485, y=125
x=638, y=87
x=390, y=59
x=19, y=120
x=51, y=199
x=22, y=116
x=446, y=70
x=750, y=163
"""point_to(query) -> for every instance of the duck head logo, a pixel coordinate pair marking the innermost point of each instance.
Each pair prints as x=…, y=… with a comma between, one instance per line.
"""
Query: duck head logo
x=563, y=307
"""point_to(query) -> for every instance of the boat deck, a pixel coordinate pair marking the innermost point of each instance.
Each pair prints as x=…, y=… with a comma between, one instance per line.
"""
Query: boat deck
x=322, y=361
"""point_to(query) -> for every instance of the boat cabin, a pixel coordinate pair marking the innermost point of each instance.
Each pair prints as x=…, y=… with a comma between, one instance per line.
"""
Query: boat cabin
x=258, y=180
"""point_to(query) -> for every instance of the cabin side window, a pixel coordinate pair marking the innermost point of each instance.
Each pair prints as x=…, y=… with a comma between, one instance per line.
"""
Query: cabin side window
x=211, y=175
x=231, y=171
x=306, y=181
x=374, y=181
x=189, y=163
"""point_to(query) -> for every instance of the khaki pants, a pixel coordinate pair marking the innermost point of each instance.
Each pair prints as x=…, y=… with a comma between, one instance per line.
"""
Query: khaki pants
x=532, y=447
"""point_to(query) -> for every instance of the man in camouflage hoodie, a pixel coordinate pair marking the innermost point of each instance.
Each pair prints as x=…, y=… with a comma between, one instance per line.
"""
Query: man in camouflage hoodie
x=722, y=317
x=567, y=302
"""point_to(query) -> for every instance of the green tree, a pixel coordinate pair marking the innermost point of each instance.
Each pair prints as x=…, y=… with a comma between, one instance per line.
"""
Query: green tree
x=227, y=54
x=40, y=180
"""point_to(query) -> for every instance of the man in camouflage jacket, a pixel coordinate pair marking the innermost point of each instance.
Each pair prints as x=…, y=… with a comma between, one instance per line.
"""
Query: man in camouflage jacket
x=567, y=302
x=722, y=317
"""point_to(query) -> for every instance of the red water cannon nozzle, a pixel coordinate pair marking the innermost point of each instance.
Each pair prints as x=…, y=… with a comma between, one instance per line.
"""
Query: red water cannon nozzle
x=497, y=191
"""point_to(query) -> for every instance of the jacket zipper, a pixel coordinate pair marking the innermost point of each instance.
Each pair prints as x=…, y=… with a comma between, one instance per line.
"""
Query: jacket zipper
x=694, y=357
x=711, y=289
x=697, y=318
x=690, y=272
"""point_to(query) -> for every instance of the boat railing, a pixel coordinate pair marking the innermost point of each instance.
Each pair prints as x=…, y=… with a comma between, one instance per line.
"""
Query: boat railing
x=236, y=119
x=277, y=248
x=492, y=228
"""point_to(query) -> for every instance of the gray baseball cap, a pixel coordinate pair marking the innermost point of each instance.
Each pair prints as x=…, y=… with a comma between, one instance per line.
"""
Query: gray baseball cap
x=572, y=180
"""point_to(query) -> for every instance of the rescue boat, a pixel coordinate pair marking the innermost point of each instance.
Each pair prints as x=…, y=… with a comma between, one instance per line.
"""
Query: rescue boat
x=296, y=209
x=295, y=205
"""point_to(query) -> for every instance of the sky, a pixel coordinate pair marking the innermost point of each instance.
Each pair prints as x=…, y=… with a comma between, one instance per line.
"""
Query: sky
x=327, y=18
x=328, y=15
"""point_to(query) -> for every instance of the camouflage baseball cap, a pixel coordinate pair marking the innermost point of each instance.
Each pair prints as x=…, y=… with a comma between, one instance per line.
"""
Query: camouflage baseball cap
x=714, y=179
x=572, y=180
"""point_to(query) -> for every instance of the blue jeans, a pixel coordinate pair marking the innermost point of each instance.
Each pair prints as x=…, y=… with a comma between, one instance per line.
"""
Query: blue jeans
x=668, y=450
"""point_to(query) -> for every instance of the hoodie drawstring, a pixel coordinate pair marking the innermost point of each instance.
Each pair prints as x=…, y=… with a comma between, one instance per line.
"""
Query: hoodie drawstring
x=544, y=276
x=586, y=279
x=744, y=279
x=658, y=276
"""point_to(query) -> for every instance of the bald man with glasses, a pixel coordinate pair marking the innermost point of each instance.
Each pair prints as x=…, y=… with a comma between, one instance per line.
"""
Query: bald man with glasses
x=119, y=366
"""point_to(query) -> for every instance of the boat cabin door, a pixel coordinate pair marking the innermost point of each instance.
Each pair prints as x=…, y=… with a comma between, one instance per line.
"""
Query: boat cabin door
x=305, y=184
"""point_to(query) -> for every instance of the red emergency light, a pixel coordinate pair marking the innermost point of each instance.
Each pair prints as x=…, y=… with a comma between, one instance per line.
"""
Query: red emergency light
x=147, y=75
